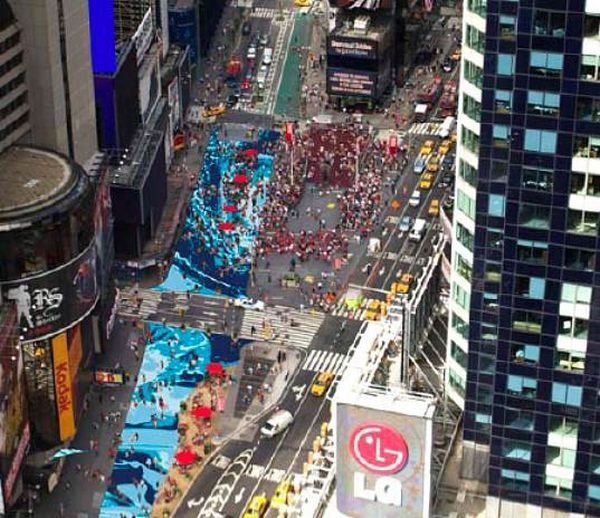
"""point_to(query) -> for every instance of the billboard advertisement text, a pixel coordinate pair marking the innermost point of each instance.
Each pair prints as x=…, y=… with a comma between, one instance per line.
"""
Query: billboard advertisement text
x=62, y=383
x=382, y=461
x=350, y=82
x=351, y=47
x=54, y=300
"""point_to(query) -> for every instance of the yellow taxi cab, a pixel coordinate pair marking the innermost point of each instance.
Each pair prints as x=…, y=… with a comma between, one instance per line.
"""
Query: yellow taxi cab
x=405, y=283
x=284, y=488
x=302, y=3
x=434, y=207
x=375, y=310
x=426, y=148
x=257, y=507
x=456, y=55
x=433, y=166
x=321, y=384
x=426, y=181
x=213, y=111
x=444, y=147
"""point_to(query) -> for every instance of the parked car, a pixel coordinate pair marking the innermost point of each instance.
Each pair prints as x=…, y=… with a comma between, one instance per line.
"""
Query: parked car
x=251, y=53
x=405, y=224
x=246, y=303
x=267, y=56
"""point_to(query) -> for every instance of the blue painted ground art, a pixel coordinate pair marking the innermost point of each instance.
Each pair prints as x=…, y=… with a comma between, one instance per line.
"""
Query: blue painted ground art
x=215, y=251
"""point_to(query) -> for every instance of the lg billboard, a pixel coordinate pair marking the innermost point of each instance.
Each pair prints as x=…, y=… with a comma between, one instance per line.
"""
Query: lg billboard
x=351, y=82
x=351, y=47
x=383, y=463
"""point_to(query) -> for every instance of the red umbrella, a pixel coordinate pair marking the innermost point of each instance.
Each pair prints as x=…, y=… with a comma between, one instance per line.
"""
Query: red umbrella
x=240, y=178
x=214, y=368
x=250, y=152
x=202, y=412
x=226, y=226
x=230, y=208
x=185, y=457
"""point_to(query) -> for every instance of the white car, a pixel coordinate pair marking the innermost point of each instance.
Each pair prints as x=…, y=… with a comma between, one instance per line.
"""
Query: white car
x=251, y=53
x=245, y=303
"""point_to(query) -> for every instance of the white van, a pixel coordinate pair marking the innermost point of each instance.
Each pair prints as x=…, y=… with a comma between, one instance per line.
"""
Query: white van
x=447, y=127
x=415, y=199
x=418, y=230
x=277, y=423
x=267, y=56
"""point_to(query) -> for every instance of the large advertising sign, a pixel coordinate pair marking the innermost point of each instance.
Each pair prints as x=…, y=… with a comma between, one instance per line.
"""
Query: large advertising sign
x=351, y=47
x=11, y=477
x=383, y=463
x=54, y=300
x=362, y=4
x=62, y=383
x=342, y=81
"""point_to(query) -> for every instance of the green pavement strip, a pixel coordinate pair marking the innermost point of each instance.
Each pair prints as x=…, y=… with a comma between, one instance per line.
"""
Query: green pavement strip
x=288, y=96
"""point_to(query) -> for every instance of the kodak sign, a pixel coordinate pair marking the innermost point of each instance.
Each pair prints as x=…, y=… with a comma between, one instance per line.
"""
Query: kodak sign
x=62, y=384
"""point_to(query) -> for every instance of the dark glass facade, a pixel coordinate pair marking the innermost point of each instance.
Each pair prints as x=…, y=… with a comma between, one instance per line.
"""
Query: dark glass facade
x=533, y=367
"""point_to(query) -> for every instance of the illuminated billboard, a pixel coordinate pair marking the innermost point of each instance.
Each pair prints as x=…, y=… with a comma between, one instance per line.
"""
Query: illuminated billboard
x=351, y=47
x=371, y=5
x=54, y=300
x=383, y=462
x=63, y=387
x=342, y=81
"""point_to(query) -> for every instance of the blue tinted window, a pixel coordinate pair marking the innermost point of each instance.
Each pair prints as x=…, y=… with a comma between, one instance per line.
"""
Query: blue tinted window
x=537, y=287
x=496, y=205
x=566, y=394
x=540, y=140
x=505, y=65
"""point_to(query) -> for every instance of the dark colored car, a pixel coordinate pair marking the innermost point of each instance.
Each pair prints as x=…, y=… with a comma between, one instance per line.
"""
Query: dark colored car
x=448, y=65
x=232, y=100
x=246, y=28
x=446, y=181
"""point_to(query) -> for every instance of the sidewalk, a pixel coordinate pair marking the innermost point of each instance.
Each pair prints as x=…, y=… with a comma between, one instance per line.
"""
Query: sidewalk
x=85, y=476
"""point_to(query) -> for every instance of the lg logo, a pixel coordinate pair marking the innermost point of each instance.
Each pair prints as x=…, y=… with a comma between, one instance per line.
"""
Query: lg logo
x=382, y=451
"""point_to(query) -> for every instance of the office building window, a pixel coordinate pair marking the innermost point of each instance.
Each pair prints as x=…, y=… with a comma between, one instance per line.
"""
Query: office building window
x=520, y=419
x=587, y=147
x=570, y=361
x=493, y=271
x=470, y=140
x=507, y=25
x=484, y=394
x=537, y=179
x=586, y=184
x=549, y=23
x=573, y=327
x=474, y=39
x=473, y=73
x=516, y=450
x=468, y=172
x=534, y=252
x=494, y=239
x=590, y=67
x=456, y=382
x=594, y=493
x=521, y=386
x=471, y=107
x=543, y=103
x=588, y=109
x=523, y=353
x=558, y=487
x=505, y=65
x=531, y=287
x=459, y=355
x=477, y=6
x=465, y=204
x=496, y=204
x=546, y=63
x=462, y=297
x=581, y=222
x=464, y=236
x=460, y=326
x=500, y=135
x=462, y=267
x=499, y=170
x=503, y=101
x=527, y=321
x=564, y=426
x=514, y=479
x=540, y=141
x=561, y=457
x=579, y=259
x=566, y=394
x=591, y=26
x=534, y=216
x=576, y=293
x=490, y=301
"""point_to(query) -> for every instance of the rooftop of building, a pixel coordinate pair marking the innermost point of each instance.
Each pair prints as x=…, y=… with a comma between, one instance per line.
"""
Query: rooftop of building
x=171, y=63
x=32, y=179
x=7, y=16
x=181, y=4
x=371, y=27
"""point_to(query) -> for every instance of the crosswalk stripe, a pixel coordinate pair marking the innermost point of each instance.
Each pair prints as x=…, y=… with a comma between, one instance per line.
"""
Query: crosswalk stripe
x=313, y=359
x=324, y=361
x=425, y=128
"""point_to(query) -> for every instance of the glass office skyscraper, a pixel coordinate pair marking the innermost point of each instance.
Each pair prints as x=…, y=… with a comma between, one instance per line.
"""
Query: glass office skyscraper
x=524, y=330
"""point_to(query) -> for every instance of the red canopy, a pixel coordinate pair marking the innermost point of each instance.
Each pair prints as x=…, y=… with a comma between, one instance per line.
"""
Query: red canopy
x=240, y=178
x=214, y=368
x=250, y=152
x=185, y=457
x=230, y=208
x=202, y=412
x=226, y=226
